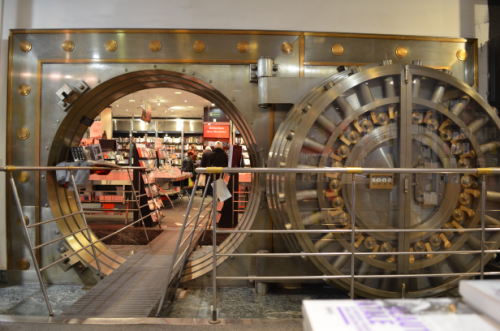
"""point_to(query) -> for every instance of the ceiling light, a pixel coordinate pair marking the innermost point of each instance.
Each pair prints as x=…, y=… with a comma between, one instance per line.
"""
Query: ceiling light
x=117, y=105
x=178, y=92
x=213, y=104
x=68, y=76
x=159, y=104
x=185, y=101
x=126, y=109
x=131, y=101
x=190, y=107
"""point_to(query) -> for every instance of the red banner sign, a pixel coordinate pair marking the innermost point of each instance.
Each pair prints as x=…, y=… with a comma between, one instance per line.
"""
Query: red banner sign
x=216, y=131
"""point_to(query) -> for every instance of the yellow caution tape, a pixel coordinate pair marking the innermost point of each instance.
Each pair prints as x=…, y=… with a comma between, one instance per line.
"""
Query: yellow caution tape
x=353, y=170
x=214, y=170
x=484, y=171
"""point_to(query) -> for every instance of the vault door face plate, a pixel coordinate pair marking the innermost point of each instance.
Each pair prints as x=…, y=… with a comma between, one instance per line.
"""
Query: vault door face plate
x=385, y=117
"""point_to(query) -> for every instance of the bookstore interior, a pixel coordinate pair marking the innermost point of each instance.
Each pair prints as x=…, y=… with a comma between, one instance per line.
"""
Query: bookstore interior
x=257, y=170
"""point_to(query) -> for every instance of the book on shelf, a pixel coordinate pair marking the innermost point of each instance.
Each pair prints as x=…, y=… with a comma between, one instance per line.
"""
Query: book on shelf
x=392, y=315
x=482, y=295
x=193, y=140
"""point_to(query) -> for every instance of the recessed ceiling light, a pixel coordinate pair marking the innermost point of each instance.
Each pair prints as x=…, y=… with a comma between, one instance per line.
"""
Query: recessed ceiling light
x=178, y=92
x=117, y=105
x=131, y=101
x=185, y=101
x=213, y=104
x=68, y=76
x=126, y=109
x=190, y=107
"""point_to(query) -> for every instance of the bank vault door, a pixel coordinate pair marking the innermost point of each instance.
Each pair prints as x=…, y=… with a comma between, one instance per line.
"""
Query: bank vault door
x=387, y=116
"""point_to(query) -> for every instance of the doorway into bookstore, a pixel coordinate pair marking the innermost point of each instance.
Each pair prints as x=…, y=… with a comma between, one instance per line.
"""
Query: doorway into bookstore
x=168, y=133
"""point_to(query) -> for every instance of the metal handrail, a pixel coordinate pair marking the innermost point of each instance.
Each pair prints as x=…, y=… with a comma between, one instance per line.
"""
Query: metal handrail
x=484, y=172
x=106, y=166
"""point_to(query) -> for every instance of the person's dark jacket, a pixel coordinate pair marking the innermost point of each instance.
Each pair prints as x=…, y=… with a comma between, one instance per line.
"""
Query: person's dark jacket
x=187, y=164
x=205, y=159
x=218, y=158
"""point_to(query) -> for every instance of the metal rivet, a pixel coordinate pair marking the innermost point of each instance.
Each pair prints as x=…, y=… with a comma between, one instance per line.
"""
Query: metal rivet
x=57, y=232
x=337, y=49
x=183, y=70
x=68, y=46
x=23, y=177
x=462, y=54
x=286, y=48
x=126, y=69
x=23, y=264
x=43, y=176
x=154, y=66
x=23, y=133
x=98, y=81
x=46, y=205
x=233, y=99
x=210, y=81
x=199, y=46
x=155, y=46
x=111, y=46
x=25, y=46
x=46, y=148
x=24, y=89
x=243, y=47
x=26, y=220
x=58, y=121
x=401, y=51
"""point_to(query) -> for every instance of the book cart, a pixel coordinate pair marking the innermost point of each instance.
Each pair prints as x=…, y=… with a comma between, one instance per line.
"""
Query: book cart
x=149, y=199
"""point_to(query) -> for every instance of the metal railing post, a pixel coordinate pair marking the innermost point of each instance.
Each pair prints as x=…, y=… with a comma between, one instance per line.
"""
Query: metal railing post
x=353, y=226
x=137, y=203
x=207, y=182
x=174, y=256
x=79, y=204
x=214, y=318
x=483, y=222
x=30, y=245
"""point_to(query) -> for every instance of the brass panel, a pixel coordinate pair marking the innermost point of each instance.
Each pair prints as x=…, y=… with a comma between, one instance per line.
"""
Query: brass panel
x=68, y=46
x=111, y=45
x=25, y=46
x=199, y=46
x=23, y=264
x=401, y=51
x=286, y=48
x=23, y=133
x=155, y=46
x=24, y=89
x=243, y=47
x=337, y=49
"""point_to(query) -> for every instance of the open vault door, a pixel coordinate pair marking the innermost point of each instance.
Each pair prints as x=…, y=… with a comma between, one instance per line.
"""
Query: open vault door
x=386, y=116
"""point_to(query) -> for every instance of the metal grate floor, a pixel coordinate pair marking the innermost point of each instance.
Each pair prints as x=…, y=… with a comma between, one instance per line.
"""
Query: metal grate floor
x=135, y=287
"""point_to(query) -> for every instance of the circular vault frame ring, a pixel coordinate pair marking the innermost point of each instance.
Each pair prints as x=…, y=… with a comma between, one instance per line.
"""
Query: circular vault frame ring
x=280, y=150
x=70, y=132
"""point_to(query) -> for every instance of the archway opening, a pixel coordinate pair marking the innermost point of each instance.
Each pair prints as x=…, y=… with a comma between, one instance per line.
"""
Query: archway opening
x=111, y=93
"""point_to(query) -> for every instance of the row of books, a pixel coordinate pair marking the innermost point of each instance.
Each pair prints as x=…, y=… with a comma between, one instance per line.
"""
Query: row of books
x=193, y=140
x=146, y=153
x=163, y=153
x=156, y=216
x=239, y=141
x=154, y=190
x=148, y=178
x=478, y=310
x=148, y=164
x=155, y=203
x=172, y=140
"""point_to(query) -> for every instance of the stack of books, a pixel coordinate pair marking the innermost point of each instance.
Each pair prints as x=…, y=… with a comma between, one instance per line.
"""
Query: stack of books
x=393, y=314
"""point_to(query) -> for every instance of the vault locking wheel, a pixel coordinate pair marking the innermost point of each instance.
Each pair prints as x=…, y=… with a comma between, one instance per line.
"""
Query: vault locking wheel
x=387, y=116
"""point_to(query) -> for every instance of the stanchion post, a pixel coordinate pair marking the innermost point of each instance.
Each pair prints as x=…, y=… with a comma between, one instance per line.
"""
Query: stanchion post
x=214, y=318
x=28, y=240
x=483, y=221
x=353, y=226
x=79, y=204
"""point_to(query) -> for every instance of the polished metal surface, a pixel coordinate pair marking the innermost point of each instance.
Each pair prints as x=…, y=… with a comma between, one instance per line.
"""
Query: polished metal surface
x=396, y=142
x=222, y=68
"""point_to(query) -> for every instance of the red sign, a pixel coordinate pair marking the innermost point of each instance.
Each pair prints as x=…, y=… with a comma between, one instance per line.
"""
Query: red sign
x=216, y=131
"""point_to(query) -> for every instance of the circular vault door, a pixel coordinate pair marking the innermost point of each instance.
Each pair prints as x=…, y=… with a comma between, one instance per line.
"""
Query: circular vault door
x=387, y=116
